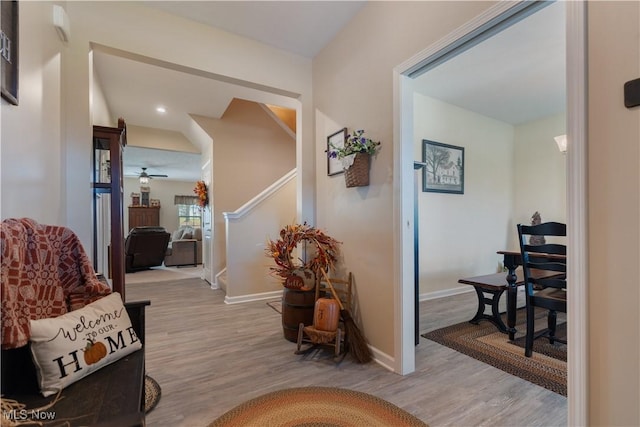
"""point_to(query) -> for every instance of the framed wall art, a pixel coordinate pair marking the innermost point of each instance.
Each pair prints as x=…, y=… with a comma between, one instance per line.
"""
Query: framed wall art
x=335, y=140
x=9, y=50
x=444, y=168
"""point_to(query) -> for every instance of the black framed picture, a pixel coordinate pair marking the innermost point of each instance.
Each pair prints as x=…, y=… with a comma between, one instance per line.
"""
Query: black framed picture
x=444, y=168
x=9, y=50
x=335, y=140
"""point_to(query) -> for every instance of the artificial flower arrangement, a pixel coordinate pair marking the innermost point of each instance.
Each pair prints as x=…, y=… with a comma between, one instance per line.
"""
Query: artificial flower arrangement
x=325, y=252
x=356, y=143
x=202, y=193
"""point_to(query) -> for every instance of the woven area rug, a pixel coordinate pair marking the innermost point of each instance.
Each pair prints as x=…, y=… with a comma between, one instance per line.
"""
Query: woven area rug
x=152, y=393
x=547, y=367
x=317, y=406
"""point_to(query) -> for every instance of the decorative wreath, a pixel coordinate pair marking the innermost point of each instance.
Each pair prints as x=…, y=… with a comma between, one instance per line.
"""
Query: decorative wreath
x=325, y=251
x=202, y=192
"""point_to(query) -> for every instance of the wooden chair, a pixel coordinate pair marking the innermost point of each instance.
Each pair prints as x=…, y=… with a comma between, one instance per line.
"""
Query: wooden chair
x=342, y=287
x=548, y=289
x=334, y=339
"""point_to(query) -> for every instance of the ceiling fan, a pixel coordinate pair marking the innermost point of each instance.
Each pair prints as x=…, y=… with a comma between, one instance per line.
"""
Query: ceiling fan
x=145, y=177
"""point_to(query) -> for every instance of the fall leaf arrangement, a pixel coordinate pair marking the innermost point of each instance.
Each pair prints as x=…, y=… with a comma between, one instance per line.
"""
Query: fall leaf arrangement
x=202, y=193
x=325, y=250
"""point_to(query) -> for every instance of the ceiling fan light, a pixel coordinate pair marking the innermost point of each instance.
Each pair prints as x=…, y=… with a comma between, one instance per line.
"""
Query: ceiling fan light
x=144, y=180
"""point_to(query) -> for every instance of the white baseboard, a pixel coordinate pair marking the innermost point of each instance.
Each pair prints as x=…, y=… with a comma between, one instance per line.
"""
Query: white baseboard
x=445, y=293
x=253, y=297
x=382, y=359
x=219, y=279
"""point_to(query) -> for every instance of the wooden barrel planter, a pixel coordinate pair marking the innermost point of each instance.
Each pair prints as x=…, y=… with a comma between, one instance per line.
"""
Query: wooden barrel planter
x=297, y=307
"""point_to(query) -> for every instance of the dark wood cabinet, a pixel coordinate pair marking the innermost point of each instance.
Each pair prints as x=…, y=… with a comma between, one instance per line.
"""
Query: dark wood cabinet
x=108, y=194
x=140, y=216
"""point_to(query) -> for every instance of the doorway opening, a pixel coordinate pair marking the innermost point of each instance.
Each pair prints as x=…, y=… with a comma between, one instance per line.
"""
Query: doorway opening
x=496, y=18
x=193, y=100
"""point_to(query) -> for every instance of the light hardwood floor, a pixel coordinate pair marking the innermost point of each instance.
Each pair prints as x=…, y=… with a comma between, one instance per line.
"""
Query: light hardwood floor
x=209, y=357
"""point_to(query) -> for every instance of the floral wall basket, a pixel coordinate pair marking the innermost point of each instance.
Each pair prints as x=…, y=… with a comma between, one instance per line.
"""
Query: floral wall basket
x=355, y=154
x=357, y=175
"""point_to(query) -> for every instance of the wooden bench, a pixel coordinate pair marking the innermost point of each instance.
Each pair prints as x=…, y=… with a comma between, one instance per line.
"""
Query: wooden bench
x=494, y=285
x=111, y=396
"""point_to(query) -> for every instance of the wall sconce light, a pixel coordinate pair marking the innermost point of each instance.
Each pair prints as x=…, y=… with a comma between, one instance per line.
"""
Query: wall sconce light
x=561, y=140
x=61, y=22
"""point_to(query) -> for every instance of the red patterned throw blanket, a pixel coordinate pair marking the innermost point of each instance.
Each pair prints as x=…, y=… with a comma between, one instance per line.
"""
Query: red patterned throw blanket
x=45, y=273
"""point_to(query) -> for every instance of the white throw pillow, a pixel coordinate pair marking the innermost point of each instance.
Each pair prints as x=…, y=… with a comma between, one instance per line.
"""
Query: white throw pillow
x=70, y=347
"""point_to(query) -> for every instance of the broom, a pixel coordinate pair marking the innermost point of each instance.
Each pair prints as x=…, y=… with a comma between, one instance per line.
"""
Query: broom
x=358, y=347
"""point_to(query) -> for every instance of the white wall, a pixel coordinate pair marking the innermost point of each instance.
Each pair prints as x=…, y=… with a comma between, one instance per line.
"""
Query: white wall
x=460, y=233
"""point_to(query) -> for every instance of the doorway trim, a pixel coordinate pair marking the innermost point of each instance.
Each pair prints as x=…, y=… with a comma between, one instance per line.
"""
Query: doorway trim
x=404, y=297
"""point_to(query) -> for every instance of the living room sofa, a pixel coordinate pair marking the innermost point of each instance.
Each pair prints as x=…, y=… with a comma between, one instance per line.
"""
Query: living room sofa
x=185, y=247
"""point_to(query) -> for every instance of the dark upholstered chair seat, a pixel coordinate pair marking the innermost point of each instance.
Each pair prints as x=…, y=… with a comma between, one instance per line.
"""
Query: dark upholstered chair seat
x=145, y=247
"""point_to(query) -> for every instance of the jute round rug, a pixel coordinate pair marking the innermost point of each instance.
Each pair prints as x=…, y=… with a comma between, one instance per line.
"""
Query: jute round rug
x=317, y=406
x=152, y=393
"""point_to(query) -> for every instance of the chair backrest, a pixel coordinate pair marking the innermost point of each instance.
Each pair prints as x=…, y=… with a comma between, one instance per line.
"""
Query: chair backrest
x=342, y=287
x=544, y=265
x=146, y=246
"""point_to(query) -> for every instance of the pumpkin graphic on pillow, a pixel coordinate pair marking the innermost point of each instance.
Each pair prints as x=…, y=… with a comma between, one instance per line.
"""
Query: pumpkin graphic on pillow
x=94, y=351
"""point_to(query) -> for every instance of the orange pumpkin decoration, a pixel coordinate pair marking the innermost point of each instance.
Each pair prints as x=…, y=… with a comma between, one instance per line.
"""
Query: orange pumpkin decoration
x=94, y=351
x=326, y=314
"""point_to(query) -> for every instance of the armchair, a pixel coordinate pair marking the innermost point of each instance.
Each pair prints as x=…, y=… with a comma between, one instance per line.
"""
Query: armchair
x=145, y=247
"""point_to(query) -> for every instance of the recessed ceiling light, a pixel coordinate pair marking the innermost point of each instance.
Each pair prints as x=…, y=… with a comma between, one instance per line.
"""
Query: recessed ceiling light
x=161, y=110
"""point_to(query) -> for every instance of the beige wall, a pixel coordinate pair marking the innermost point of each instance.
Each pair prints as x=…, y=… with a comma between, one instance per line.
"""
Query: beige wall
x=33, y=135
x=614, y=215
x=162, y=139
x=163, y=190
x=353, y=88
x=540, y=174
x=248, y=276
x=250, y=152
x=100, y=113
x=45, y=143
x=510, y=172
x=118, y=25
